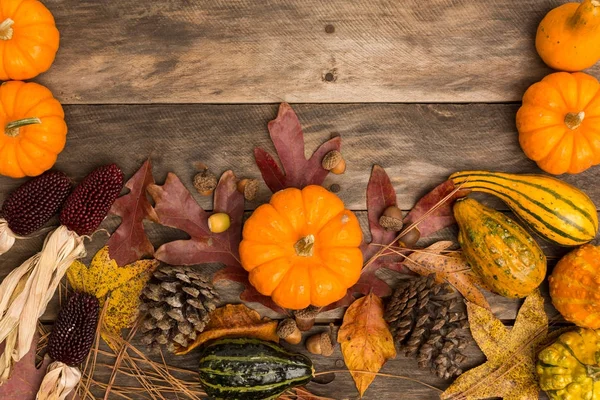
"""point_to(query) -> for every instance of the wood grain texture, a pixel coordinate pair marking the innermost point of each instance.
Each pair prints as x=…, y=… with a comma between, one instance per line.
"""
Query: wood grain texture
x=418, y=145
x=244, y=51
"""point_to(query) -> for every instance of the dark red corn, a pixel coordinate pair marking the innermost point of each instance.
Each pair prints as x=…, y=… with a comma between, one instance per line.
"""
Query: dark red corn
x=74, y=330
x=29, y=207
x=91, y=200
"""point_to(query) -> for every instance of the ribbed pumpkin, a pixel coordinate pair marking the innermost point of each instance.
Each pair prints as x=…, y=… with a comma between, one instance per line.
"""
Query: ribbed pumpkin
x=35, y=131
x=557, y=211
x=501, y=252
x=574, y=286
x=568, y=36
x=28, y=39
x=569, y=369
x=302, y=248
x=559, y=123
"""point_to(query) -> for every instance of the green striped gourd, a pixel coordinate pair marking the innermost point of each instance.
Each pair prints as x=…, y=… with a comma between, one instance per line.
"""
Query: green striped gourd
x=251, y=369
x=554, y=209
x=501, y=252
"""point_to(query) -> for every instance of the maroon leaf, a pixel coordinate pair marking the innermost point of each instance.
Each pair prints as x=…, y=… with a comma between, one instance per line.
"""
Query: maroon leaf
x=176, y=208
x=286, y=134
x=26, y=378
x=442, y=217
x=249, y=295
x=129, y=242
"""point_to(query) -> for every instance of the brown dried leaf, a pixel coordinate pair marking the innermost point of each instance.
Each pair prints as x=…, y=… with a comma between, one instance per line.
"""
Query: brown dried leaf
x=235, y=321
x=365, y=339
x=449, y=267
x=129, y=242
x=511, y=354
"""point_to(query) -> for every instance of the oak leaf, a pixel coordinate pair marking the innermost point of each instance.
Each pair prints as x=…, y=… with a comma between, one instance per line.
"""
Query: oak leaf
x=176, y=208
x=288, y=139
x=449, y=267
x=511, y=354
x=129, y=242
x=117, y=288
x=234, y=321
x=365, y=339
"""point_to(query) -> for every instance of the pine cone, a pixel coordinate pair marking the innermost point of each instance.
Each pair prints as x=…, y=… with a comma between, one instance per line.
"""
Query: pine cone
x=428, y=322
x=177, y=302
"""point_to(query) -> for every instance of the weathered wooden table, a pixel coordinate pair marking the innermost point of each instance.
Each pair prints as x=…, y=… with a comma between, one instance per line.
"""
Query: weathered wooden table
x=421, y=88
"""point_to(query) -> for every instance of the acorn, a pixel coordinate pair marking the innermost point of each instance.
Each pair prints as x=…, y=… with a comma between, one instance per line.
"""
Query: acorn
x=249, y=188
x=409, y=238
x=320, y=344
x=219, y=222
x=305, y=318
x=334, y=162
x=288, y=331
x=391, y=219
x=205, y=182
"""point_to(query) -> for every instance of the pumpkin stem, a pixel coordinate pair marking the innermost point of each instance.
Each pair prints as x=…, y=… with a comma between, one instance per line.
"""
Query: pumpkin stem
x=6, y=30
x=304, y=247
x=12, y=128
x=596, y=3
x=574, y=120
x=593, y=372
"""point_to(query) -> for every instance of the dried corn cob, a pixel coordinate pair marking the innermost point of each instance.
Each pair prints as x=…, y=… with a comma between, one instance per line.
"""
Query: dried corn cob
x=29, y=288
x=31, y=205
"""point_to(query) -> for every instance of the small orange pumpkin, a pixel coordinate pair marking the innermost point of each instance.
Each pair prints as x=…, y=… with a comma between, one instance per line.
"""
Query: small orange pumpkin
x=34, y=129
x=574, y=286
x=302, y=248
x=559, y=122
x=28, y=39
x=568, y=36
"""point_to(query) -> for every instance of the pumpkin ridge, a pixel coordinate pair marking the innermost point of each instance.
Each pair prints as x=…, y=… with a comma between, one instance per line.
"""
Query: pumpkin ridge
x=30, y=59
x=572, y=282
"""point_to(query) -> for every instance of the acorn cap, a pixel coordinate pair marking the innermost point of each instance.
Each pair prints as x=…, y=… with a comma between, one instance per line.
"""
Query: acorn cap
x=286, y=328
x=249, y=188
x=305, y=318
x=205, y=182
x=331, y=160
x=326, y=345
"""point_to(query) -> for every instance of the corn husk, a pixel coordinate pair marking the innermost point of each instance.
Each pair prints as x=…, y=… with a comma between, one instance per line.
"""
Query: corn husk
x=27, y=290
x=59, y=382
x=7, y=237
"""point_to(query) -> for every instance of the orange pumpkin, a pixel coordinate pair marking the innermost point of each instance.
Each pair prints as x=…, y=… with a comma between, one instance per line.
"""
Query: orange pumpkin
x=34, y=129
x=302, y=248
x=568, y=36
x=28, y=39
x=559, y=123
x=574, y=286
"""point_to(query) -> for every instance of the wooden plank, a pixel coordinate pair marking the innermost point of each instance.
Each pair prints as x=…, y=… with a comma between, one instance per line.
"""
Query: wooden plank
x=419, y=145
x=241, y=51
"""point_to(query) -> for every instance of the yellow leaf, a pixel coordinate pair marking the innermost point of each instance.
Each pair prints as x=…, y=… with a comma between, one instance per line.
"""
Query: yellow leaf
x=511, y=354
x=76, y=275
x=235, y=320
x=366, y=340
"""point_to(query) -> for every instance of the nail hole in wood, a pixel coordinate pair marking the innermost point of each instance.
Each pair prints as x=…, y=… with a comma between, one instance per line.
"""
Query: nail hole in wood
x=329, y=77
x=329, y=28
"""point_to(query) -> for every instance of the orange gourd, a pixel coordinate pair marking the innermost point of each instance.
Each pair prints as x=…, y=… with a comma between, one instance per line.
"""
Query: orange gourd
x=568, y=36
x=559, y=122
x=34, y=129
x=302, y=248
x=28, y=39
x=574, y=286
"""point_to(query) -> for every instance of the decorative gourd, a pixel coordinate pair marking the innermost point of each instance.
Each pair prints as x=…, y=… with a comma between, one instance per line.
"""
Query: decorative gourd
x=569, y=368
x=556, y=123
x=501, y=252
x=28, y=39
x=574, y=286
x=554, y=209
x=568, y=36
x=251, y=369
x=302, y=248
x=34, y=129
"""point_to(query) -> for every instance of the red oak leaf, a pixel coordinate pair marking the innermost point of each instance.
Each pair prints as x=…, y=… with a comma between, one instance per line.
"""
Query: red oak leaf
x=176, y=208
x=129, y=242
x=286, y=134
x=442, y=217
x=249, y=295
x=26, y=378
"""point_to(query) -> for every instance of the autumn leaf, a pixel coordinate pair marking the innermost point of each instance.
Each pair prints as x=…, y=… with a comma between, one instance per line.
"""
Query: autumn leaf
x=365, y=339
x=511, y=354
x=286, y=134
x=176, y=208
x=129, y=242
x=26, y=378
x=449, y=267
x=235, y=321
x=119, y=287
